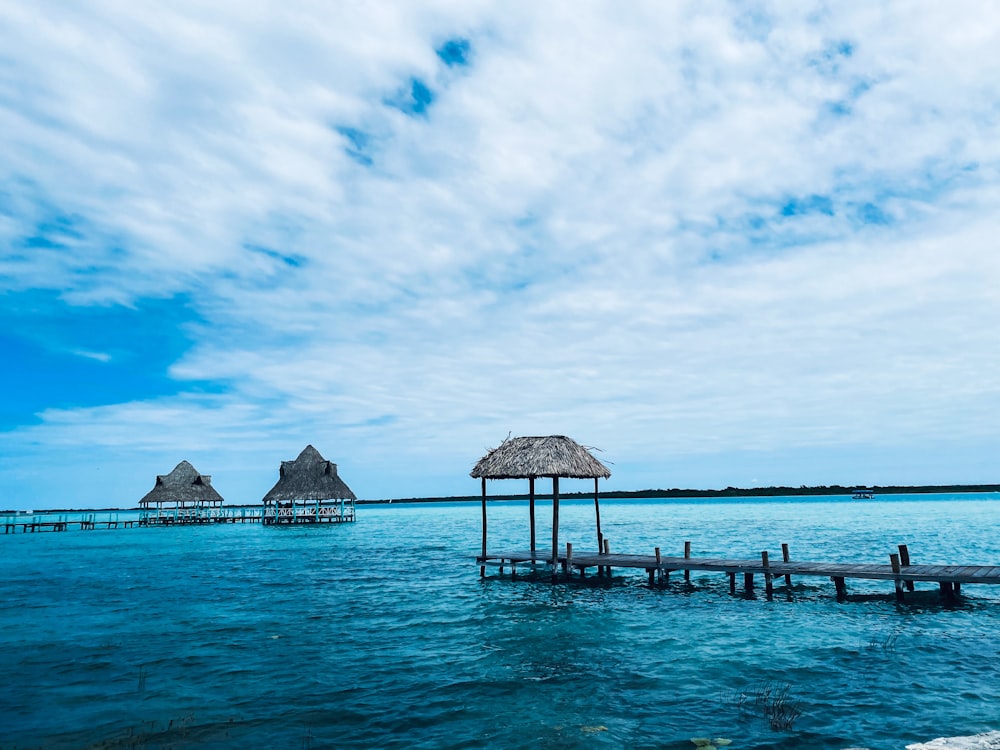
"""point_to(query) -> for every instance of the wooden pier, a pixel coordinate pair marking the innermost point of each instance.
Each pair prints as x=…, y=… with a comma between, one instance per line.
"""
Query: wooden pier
x=27, y=524
x=342, y=512
x=950, y=578
x=31, y=526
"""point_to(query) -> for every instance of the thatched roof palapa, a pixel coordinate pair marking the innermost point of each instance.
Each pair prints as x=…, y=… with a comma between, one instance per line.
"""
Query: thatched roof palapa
x=308, y=477
x=184, y=485
x=531, y=457
x=528, y=458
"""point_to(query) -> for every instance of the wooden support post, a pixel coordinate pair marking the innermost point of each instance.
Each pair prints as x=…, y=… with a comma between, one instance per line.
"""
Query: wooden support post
x=607, y=551
x=687, y=556
x=957, y=588
x=947, y=591
x=651, y=572
x=786, y=557
x=513, y=570
x=748, y=583
x=597, y=512
x=569, y=559
x=894, y=560
x=732, y=582
x=659, y=570
x=482, y=568
x=531, y=509
x=768, y=584
x=904, y=560
x=555, y=522
x=838, y=582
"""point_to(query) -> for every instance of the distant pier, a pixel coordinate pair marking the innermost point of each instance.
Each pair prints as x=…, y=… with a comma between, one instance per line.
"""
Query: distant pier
x=341, y=512
x=26, y=524
x=950, y=578
x=44, y=522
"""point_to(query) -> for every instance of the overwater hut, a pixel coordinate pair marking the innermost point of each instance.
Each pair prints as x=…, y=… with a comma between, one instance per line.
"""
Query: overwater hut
x=555, y=456
x=185, y=495
x=309, y=490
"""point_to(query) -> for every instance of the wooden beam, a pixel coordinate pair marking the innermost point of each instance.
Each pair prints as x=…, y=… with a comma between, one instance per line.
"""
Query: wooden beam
x=597, y=512
x=555, y=522
x=531, y=509
x=482, y=568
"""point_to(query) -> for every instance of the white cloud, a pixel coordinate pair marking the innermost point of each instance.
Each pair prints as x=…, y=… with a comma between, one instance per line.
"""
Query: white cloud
x=585, y=232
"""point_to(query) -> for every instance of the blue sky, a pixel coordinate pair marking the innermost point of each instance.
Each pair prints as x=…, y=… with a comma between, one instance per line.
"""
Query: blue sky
x=726, y=243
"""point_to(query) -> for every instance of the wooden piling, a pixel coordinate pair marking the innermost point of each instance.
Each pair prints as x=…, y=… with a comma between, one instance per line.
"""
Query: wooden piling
x=607, y=551
x=748, y=583
x=732, y=582
x=687, y=556
x=597, y=513
x=531, y=509
x=947, y=591
x=768, y=584
x=569, y=559
x=838, y=582
x=555, y=520
x=785, y=558
x=659, y=570
x=482, y=568
x=894, y=561
x=904, y=560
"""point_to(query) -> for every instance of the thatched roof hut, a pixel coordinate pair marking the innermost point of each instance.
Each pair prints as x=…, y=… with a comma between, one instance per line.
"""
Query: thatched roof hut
x=183, y=487
x=528, y=458
x=310, y=477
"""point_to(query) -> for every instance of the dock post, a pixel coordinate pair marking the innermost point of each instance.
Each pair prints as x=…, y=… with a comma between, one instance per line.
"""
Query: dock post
x=555, y=523
x=785, y=558
x=947, y=591
x=597, y=512
x=531, y=509
x=482, y=568
x=569, y=559
x=894, y=560
x=659, y=570
x=748, y=583
x=732, y=582
x=838, y=582
x=607, y=551
x=768, y=584
x=904, y=560
x=687, y=556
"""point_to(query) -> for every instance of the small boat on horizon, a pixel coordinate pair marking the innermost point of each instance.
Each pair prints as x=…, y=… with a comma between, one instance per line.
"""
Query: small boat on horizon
x=863, y=493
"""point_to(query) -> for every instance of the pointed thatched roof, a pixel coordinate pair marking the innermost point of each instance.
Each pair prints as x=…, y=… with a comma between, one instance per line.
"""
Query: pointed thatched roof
x=530, y=457
x=309, y=477
x=184, y=484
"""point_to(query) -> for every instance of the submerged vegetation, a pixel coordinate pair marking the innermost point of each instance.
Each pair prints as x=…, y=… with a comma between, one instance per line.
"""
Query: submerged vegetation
x=768, y=700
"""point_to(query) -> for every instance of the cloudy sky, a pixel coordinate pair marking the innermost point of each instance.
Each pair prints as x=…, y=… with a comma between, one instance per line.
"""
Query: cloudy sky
x=727, y=243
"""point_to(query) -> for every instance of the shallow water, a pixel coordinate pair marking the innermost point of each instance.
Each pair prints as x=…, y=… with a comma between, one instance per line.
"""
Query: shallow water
x=381, y=633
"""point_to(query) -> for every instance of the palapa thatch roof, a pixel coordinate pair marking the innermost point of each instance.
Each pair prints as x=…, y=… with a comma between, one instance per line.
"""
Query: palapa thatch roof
x=530, y=457
x=309, y=477
x=183, y=485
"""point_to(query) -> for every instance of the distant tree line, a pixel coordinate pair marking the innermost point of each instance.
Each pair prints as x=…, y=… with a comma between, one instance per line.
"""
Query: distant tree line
x=832, y=489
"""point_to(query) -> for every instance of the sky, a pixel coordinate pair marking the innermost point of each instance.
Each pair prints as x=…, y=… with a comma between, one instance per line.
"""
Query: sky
x=721, y=243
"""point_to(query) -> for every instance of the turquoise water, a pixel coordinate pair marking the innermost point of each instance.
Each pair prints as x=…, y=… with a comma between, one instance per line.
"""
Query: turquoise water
x=381, y=633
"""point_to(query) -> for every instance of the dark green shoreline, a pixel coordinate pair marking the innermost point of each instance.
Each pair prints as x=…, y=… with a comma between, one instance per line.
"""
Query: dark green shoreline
x=834, y=489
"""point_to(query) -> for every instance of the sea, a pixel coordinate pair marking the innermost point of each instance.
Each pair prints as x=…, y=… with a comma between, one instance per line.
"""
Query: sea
x=382, y=634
